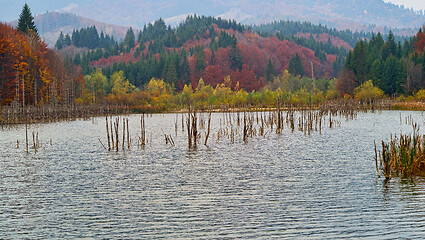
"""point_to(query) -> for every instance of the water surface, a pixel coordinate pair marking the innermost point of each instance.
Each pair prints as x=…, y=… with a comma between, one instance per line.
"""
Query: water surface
x=291, y=185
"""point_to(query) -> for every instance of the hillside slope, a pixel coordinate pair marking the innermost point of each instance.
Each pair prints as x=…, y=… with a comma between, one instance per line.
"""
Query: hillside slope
x=342, y=14
x=51, y=24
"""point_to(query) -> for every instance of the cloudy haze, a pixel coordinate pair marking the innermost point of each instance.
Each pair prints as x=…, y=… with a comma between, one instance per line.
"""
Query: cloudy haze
x=10, y=10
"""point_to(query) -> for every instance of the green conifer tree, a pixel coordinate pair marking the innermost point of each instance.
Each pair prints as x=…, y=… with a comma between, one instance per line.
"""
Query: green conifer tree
x=235, y=55
x=295, y=66
x=270, y=71
x=60, y=41
x=26, y=20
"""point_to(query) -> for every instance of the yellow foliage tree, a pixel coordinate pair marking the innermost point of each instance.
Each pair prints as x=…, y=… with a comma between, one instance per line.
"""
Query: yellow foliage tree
x=120, y=85
x=96, y=84
x=367, y=92
x=203, y=93
x=186, y=96
x=157, y=87
x=282, y=81
x=223, y=93
x=420, y=95
x=332, y=91
x=241, y=98
x=160, y=93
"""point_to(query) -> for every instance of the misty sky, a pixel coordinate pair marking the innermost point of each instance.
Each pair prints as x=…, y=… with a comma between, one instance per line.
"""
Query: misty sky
x=10, y=9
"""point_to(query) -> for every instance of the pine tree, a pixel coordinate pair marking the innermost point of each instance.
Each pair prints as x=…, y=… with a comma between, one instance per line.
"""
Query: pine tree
x=270, y=71
x=60, y=41
x=67, y=40
x=360, y=62
x=171, y=74
x=235, y=55
x=391, y=44
x=26, y=20
x=129, y=40
x=295, y=66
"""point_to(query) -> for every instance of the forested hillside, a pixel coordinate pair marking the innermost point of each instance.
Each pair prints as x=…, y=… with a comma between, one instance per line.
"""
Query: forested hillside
x=211, y=49
x=207, y=56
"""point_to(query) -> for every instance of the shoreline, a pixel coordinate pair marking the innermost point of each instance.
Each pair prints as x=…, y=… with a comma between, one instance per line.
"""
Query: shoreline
x=10, y=115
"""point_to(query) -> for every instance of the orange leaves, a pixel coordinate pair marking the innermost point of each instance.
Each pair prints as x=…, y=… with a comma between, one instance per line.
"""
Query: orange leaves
x=27, y=67
x=419, y=44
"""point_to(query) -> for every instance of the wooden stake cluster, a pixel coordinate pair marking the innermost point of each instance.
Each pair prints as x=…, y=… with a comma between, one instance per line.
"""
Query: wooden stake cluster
x=52, y=112
x=112, y=134
x=192, y=127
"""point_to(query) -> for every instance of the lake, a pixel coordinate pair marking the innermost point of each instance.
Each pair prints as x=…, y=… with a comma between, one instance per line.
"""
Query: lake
x=281, y=186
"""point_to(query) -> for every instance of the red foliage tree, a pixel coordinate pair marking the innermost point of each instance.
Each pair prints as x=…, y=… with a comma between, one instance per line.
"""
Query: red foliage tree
x=246, y=79
x=253, y=57
x=213, y=75
x=346, y=82
x=419, y=44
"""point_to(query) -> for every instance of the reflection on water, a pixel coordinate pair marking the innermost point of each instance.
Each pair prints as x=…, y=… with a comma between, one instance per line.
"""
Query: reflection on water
x=322, y=186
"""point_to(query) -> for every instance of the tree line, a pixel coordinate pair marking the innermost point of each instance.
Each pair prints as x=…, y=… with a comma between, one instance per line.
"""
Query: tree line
x=395, y=67
x=85, y=37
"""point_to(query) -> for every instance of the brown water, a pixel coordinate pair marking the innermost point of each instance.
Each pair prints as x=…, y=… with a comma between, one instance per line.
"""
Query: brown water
x=292, y=185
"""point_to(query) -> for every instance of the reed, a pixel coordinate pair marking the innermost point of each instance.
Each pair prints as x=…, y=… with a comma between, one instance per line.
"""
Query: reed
x=112, y=133
x=403, y=156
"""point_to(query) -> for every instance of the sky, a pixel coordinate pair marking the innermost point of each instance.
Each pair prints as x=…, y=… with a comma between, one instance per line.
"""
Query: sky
x=415, y=4
x=10, y=9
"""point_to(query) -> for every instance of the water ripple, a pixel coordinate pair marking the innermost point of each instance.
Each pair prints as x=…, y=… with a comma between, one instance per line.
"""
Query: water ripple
x=288, y=186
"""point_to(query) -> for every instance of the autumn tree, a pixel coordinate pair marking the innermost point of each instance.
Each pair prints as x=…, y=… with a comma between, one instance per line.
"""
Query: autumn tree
x=97, y=84
x=31, y=73
x=419, y=44
x=120, y=85
x=346, y=82
x=367, y=92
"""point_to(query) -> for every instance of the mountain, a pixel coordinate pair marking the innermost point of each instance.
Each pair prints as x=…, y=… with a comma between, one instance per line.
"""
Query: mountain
x=341, y=14
x=355, y=15
x=50, y=25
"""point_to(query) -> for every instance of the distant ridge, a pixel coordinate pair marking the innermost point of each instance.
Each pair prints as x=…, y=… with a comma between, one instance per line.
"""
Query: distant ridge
x=361, y=15
x=52, y=23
